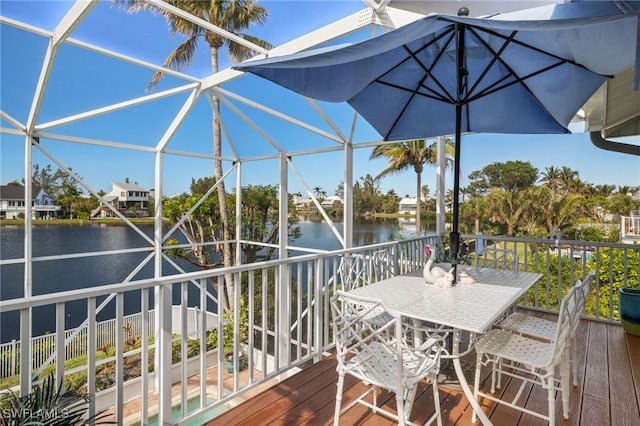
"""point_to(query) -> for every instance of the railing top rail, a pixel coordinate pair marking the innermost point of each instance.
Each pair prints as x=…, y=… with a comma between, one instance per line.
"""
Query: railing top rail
x=554, y=241
x=59, y=297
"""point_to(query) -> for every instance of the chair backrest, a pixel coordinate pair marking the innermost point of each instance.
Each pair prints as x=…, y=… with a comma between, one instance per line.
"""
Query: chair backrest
x=498, y=258
x=382, y=264
x=566, y=318
x=584, y=287
x=363, y=341
x=353, y=272
x=357, y=270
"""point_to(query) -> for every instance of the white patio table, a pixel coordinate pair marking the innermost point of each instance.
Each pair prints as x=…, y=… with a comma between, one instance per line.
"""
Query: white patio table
x=473, y=308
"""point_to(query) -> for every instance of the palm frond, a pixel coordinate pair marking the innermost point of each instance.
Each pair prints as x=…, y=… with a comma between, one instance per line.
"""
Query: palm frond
x=178, y=60
x=239, y=53
x=47, y=405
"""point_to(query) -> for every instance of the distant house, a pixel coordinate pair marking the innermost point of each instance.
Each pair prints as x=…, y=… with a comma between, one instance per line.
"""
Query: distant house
x=408, y=205
x=306, y=203
x=12, y=203
x=303, y=203
x=127, y=198
x=331, y=200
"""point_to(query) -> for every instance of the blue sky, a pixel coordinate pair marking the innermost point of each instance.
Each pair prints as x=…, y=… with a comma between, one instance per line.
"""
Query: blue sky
x=82, y=81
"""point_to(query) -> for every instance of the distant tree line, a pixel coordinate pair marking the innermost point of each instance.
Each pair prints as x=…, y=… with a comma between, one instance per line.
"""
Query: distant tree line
x=504, y=198
x=514, y=198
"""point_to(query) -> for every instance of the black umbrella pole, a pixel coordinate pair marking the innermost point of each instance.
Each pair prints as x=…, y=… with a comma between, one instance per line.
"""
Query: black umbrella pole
x=454, y=244
x=461, y=74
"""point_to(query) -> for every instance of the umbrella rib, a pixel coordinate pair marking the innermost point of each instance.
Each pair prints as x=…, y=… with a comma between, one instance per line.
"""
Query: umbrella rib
x=519, y=80
x=496, y=57
x=445, y=96
x=531, y=47
x=439, y=97
x=496, y=86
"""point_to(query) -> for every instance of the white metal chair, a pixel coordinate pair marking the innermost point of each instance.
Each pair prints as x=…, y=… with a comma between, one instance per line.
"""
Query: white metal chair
x=498, y=258
x=382, y=356
x=540, y=328
x=530, y=360
x=356, y=270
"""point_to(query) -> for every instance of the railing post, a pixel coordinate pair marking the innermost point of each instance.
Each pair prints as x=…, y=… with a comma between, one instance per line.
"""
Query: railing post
x=26, y=350
x=318, y=309
x=13, y=357
x=283, y=295
x=91, y=354
x=163, y=357
x=59, y=343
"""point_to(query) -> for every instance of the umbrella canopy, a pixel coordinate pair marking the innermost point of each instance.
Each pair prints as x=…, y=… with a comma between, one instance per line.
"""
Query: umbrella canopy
x=445, y=75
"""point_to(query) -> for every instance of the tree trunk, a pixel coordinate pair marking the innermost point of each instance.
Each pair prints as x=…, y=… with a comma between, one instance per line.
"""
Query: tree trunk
x=418, y=212
x=226, y=296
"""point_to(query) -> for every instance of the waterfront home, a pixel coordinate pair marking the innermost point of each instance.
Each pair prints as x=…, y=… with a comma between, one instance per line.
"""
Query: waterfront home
x=127, y=198
x=408, y=205
x=303, y=203
x=331, y=201
x=12, y=205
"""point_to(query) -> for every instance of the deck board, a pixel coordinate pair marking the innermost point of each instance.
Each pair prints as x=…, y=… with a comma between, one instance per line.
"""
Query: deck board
x=608, y=392
x=621, y=380
x=633, y=349
x=595, y=407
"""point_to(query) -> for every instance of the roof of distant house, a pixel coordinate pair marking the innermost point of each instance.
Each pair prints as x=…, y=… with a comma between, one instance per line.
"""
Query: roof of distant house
x=130, y=187
x=332, y=198
x=409, y=200
x=11, y=192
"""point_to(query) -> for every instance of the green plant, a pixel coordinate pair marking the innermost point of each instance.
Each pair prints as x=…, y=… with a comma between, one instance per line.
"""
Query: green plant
x=46, y=405
x=550, y=264
x=228, y=329
x=624, y=268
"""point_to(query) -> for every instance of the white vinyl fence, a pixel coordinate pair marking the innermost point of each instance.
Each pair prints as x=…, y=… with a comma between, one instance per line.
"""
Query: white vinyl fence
x=44, y=346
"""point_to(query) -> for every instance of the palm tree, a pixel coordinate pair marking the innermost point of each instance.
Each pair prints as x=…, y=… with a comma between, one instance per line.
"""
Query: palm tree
x=551, y=177
x=319, y=192
x=564, y=211
x=605, y=190
x=507, y=208
x=411, y=154
x=233, y=16
x=624, y=190
x=540, y=198
x=570, y=181
x=474, y=208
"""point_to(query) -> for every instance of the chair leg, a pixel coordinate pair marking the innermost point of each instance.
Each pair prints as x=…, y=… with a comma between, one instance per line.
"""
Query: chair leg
x=495, y=364
x=436, y=401
x=565, y=386
x=336, y=416
x=400, y=408
x=499, y=365
x=476, y=385
x=551, y=400
x=574, y=362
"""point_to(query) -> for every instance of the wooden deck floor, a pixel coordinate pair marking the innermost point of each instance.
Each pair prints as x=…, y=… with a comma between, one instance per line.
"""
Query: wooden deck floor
x=608, y=392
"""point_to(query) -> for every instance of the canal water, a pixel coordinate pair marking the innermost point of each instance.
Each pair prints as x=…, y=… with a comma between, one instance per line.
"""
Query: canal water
x=50, y=276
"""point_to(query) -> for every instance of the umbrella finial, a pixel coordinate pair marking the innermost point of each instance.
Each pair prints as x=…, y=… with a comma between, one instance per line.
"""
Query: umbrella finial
x=463, y=11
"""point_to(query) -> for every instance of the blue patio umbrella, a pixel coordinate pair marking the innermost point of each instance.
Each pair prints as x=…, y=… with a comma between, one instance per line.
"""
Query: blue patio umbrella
x=448, y=75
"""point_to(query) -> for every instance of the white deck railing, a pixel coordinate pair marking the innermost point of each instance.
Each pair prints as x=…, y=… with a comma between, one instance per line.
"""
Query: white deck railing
x=285, y=319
